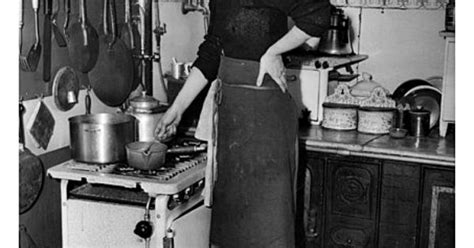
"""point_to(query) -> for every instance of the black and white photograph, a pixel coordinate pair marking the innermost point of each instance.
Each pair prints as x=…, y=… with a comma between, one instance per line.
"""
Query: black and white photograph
x=237, y=124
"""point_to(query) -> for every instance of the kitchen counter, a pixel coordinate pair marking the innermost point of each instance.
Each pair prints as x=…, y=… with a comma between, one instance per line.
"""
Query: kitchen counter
x=431, y=150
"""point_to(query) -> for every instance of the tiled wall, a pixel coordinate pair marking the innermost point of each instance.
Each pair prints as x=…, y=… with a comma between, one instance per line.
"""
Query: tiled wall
x=405, y=4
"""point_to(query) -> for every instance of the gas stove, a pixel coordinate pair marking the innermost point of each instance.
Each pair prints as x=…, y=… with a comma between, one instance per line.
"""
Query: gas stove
x=179, y=171
x=115, y=205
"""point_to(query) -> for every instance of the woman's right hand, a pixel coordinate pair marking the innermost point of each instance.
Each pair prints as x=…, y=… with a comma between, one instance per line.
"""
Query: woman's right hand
x=167, y=125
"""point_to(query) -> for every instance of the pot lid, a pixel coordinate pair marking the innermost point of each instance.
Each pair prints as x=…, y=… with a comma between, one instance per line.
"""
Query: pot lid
x=419, y=112
x=364, y=87
x=339, y=105
x=144, y=102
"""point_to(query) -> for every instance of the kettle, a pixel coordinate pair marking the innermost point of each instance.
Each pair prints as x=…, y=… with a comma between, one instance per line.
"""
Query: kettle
x=336, y=40
x=148, y=111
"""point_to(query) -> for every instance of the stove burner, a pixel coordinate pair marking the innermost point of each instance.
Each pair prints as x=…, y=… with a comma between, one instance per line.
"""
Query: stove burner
x=174, y=165
x=168, y=171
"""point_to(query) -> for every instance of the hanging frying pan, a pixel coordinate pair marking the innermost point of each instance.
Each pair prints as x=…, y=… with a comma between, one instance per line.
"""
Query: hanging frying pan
x=31, y=173
x=83, y=43
x=112, y=77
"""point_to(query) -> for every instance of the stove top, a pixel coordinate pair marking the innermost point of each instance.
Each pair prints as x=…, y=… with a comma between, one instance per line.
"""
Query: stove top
x=180, y=171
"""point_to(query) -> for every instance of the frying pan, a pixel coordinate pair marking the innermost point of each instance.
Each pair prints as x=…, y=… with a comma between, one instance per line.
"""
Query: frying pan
x=406, y=86
x=31, y=173
x=83, y=42
x=420, y=93
x=112, y=77
x=152, y=155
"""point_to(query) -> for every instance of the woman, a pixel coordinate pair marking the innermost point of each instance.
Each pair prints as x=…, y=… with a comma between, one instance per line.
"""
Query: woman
x=257, y=120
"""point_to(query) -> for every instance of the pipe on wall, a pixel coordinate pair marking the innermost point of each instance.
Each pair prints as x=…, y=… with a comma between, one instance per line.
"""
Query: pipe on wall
x=146, y=44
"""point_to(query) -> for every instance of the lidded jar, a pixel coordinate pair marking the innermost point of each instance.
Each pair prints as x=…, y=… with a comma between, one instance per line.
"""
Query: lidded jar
x=148, y=111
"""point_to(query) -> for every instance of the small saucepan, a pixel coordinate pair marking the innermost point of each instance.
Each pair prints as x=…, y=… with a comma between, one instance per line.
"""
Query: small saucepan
x=150, y=155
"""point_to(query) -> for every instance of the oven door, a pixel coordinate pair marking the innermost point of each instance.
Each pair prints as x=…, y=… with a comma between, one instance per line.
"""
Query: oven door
x=105, y=224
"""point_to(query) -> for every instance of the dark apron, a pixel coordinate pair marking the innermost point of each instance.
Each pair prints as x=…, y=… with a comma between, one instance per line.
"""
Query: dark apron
x=257, y=128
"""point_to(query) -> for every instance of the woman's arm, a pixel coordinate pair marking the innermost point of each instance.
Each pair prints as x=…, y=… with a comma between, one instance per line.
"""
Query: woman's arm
x=204, y=70
x=167, y=125
x=311, y=18
x=271, y=62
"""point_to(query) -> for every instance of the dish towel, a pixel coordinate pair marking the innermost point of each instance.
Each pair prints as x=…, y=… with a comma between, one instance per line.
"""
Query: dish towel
x=207, y=130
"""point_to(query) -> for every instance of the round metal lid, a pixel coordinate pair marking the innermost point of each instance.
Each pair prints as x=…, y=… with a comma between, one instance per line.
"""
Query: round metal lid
x=144, y=102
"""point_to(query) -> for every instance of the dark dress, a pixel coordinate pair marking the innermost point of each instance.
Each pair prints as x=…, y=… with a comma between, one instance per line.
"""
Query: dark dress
x=253, y=202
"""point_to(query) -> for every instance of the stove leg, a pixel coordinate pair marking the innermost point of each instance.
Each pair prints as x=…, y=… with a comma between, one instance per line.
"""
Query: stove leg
x=64, y=219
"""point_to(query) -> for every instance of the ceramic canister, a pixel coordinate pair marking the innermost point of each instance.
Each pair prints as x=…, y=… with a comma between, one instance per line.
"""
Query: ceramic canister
x=339, y=116
x=375, y=120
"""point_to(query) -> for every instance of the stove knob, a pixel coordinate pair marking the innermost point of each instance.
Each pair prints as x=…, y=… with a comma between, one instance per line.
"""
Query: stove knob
x=200, y=184
x=143, y=229
x=325, y=65
x=317, y=64
x=177, y=198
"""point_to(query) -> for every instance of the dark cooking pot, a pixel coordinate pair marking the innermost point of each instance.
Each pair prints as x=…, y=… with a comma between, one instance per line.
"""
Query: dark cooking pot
x=146, y=155
x=152, y=155
x=101, y=138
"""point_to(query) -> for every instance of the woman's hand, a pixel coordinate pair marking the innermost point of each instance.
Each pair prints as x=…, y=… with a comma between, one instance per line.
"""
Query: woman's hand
x=167, y=125
x=273, y=65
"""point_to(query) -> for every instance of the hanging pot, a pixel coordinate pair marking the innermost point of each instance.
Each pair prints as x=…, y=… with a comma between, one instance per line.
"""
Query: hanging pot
x=31, y=173
x=112, y=76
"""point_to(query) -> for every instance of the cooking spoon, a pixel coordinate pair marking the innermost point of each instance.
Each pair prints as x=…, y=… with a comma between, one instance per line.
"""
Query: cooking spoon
x=34, y=54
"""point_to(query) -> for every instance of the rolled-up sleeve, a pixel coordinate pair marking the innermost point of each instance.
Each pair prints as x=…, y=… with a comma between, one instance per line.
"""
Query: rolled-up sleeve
x=210, y=50
x=311, y=16
x=209, y=57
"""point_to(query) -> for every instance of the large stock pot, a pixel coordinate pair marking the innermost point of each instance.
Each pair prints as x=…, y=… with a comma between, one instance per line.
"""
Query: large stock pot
x=101, y=138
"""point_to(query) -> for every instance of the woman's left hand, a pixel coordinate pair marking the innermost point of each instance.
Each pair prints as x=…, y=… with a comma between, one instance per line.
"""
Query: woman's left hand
x=273, y=65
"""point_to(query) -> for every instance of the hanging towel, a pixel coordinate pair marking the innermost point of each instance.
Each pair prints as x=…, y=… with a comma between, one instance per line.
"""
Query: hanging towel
x=207, y=130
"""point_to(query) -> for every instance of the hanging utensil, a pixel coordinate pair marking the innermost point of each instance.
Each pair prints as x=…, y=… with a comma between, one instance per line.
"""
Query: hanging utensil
x=126, y=31
x=65, y=88
x=41, y=125
x=23, y=59
x=58, y=36
x=112, y=77
x=47, y=40
x=130, y=37
x=34, y=54
x=83, y=44
x=87, y=101
x=67, y=11
x=31, y=175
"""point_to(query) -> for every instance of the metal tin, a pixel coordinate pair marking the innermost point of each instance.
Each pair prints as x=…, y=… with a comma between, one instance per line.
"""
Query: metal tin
x=147, y=111
x=339, y=116
x=375, y=120
x=419, y=122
